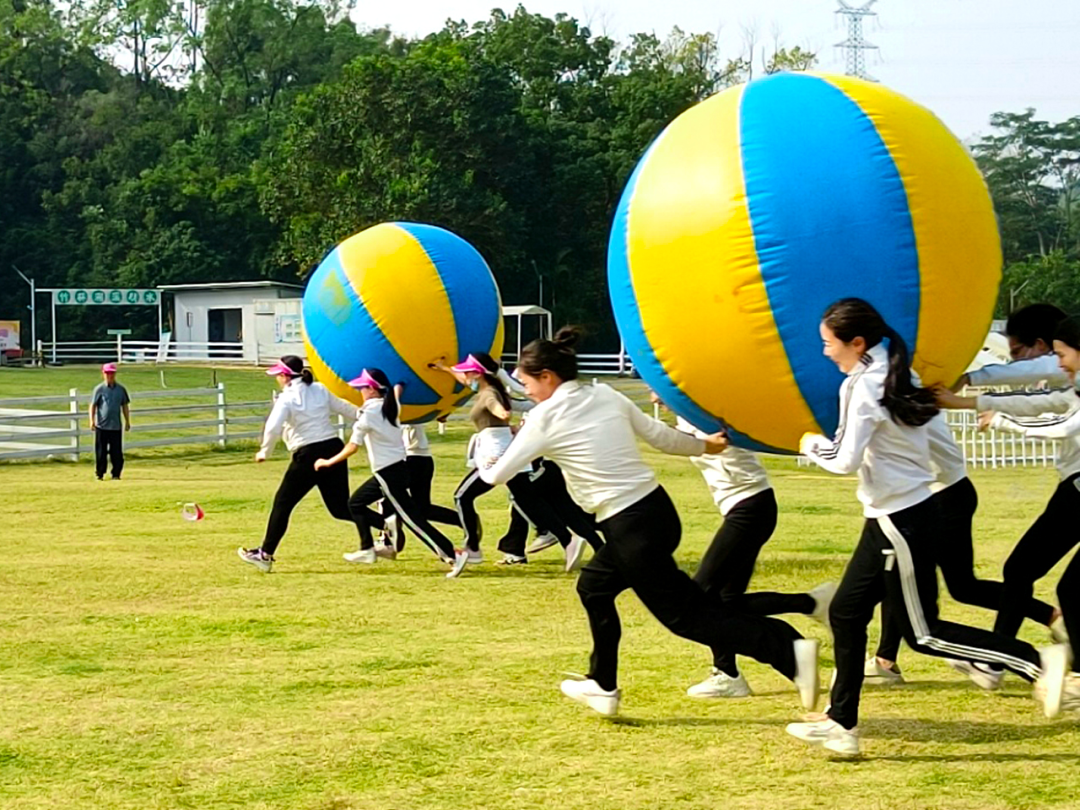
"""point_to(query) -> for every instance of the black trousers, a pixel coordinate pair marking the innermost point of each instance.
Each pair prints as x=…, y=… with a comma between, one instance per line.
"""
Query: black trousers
x=725, y=570
x=895, y=560
x=638, y=555
x=551, y=486
x=1044, y=545
x=421, y=474
x=955, y=556
x=300, y=478
x=526, y=500
x=392, y=483
x=109, y=446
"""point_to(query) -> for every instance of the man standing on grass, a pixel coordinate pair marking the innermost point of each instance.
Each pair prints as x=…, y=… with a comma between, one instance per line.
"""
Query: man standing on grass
x=108, y=401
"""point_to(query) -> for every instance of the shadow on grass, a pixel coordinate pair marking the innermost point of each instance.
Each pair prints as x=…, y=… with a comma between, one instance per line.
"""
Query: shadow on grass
x=971, y=758
x=963, y=731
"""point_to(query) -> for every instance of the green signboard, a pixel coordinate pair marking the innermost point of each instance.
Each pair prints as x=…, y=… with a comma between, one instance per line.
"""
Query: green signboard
x=115, y=297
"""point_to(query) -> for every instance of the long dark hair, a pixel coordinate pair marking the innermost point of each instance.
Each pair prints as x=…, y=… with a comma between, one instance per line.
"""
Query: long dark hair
x=296, y=366
x=906, y=403
x=389, y=404
x=491, y=376
x=1068, y=332
x=556, y=355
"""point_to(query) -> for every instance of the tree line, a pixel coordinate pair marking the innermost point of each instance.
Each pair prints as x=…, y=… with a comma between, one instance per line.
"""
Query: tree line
x=147, y=142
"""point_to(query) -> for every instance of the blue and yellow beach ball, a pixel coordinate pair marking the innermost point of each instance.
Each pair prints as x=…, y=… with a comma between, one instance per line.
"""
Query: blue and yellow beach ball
x=399, y=296
x=756, y=209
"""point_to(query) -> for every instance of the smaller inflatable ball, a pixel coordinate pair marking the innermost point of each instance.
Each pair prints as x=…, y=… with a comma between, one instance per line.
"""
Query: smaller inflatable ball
x=759, y=207
x=398, y=296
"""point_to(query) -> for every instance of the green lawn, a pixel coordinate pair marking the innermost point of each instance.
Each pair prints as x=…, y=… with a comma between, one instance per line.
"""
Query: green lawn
x=143, y=666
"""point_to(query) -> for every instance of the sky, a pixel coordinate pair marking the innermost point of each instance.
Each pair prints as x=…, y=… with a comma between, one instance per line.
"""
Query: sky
x=964, y=59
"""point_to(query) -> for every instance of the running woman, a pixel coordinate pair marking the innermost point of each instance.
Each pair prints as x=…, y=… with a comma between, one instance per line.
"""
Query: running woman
x=955, y=555
x=742, y=492
x=551, y=485
x=1051, y=536
x=377, y=429
x=591, y=431
x=421, y=465
x=490, y=414
x=883, y=435
x=301, y=416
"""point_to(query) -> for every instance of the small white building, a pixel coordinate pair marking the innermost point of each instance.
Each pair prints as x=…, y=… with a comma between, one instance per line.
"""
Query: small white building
x=249, y=321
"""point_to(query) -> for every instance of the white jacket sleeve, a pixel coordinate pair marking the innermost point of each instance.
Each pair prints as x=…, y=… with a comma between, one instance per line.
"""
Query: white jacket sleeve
x=343, y=408
x=843, y=454
x=1029, y=404
x=529, y=444
x=664, y=438
x=361, y=428
x=1020, y=372
x=1059, y=427
x=275, y=423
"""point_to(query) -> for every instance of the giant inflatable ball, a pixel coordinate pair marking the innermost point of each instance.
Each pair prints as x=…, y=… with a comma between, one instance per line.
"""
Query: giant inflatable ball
x=399, y=296
x=759, y=207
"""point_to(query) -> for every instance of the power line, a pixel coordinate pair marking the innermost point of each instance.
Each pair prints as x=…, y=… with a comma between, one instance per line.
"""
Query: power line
x=855, y=45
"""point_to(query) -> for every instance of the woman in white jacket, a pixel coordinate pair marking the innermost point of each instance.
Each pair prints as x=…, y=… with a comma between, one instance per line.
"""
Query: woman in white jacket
x=1052, y=536
x=591, y=432
x=883, y=436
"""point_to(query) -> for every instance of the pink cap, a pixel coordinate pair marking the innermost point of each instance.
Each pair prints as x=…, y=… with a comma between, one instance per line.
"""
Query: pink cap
x=280, y=368
x=108, y=368
x=470, y=364
x=365, y=380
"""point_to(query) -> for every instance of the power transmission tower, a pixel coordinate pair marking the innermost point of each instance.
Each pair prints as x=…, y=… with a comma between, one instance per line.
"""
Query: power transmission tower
x=855, y=46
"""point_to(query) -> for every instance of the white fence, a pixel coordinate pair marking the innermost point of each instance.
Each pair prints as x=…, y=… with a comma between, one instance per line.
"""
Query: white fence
x=58, y=426
x=153, y=351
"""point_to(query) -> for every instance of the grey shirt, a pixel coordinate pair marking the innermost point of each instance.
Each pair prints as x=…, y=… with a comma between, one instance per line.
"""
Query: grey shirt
x=108, y=402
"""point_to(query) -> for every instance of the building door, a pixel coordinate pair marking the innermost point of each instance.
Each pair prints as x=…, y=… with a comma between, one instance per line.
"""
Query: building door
x=225, y=326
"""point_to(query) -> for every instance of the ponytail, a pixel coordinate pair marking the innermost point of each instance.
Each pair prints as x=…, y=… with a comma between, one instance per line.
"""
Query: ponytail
x=557, y=355
x=296, y=368
x=907, y=403
x=390, y=409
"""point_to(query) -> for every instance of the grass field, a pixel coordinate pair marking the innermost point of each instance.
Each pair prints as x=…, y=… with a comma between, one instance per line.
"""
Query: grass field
x=143, y=666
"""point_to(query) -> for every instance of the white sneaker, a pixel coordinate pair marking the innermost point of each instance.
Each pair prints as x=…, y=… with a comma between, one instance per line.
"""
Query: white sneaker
x=829, y=734
x=589, y=693
x=720, y=685
x=363, y=555
x=982, y=675
x=542, y=541
x=807, y=680
x=873, y=670
x=512, y=559
x=822, y=596
x=474, y=557
x=1050, y=688
x=574, y=552
x=461, y=559
x=1058, y=632
x=255, y=556
x=392, y=529
x=386, y=551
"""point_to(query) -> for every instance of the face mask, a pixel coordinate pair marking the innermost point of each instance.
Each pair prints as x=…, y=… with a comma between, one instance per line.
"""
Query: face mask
x=475, y=385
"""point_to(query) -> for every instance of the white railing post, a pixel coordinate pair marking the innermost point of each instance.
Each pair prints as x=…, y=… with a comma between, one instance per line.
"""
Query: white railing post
x=75, y=424
x=119, y=348
x=221, y=415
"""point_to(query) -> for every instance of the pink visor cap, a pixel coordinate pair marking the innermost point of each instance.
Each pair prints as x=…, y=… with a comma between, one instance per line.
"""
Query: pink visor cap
x=108, y=368
x=365, y=380
x=470, y=364
x=280, y=368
